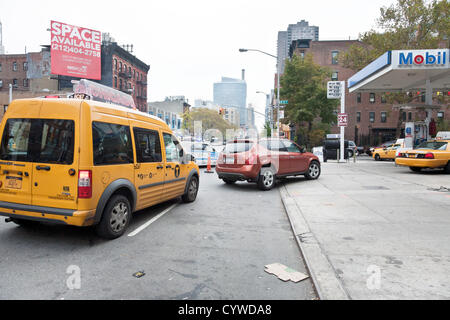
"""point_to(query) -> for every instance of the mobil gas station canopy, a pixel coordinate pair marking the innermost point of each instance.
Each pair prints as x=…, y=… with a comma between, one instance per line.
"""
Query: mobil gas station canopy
x=404, y=70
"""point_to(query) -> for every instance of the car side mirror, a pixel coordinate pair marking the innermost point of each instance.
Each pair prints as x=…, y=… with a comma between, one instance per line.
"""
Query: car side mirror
x=302, y=150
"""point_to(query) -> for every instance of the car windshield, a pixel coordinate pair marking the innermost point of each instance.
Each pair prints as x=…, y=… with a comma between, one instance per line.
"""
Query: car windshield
x=433, y=145
x=238, y=147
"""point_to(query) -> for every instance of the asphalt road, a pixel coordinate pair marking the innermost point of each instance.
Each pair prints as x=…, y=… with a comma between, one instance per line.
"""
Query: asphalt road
x=214, y=248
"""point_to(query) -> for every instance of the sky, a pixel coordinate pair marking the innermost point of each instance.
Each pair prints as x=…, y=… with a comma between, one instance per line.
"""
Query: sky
x=190, y=44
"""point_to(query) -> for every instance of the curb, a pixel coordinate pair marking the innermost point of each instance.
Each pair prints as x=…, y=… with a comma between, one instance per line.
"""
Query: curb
x=323, y=275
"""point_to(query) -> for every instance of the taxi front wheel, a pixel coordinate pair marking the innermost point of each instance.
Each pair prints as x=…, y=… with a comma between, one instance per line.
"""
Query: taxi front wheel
x=192, y=190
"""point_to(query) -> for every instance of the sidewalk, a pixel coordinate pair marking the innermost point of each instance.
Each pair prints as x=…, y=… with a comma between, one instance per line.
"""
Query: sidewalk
x=370, y=230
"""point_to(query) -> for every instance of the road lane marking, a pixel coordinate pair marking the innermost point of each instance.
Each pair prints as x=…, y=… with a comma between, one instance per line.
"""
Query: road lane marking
x=145, y=225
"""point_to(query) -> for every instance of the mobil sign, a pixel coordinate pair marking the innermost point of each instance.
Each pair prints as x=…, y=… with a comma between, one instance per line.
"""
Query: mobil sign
x=436, y=58
x=75, y=51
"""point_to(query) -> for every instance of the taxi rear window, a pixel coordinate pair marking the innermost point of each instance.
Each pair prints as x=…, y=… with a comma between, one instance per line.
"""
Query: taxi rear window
x=433, y=145
x=38, y=140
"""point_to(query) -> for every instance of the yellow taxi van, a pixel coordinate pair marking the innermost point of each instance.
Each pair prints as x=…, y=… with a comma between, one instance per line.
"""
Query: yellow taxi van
x=87, y=163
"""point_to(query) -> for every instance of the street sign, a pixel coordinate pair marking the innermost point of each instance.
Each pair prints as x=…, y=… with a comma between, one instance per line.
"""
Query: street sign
x=335, y=89
x=284, y=102
x=342, y=119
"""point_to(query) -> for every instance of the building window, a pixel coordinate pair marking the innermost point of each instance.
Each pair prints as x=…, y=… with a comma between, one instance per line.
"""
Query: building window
x=115, y=64
x=334, y=76
x=14, y=66
x=25, y=82
x=120, y=66
x=372, y=98
x=383, y=98
x=125, y=68
x=134, y=74
x=334, y=57
x=25, y=66
x=383, y=117
x=440, y=115
x=358, y=117
x=372, y=117
x=15, y=83
x=404, y=116
x=1, y=83
x=115, y=82
x=120, y=84
x=0, y=67
x=409, y=116
x=358, y=98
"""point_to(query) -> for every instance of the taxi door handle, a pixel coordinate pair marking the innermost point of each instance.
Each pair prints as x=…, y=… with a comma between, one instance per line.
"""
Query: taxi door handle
x=159, y=167
x=46, y=168
x=169, y=167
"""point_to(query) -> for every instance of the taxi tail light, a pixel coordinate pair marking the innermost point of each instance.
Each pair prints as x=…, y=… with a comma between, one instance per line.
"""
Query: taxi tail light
x=429, y=156
x=85, y=184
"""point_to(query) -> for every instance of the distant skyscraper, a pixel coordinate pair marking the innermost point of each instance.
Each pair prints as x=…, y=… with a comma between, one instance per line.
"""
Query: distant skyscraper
x=300, y=30
x=232, y=93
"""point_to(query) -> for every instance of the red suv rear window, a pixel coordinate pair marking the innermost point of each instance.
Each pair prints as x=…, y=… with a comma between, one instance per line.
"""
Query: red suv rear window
x=238, y=147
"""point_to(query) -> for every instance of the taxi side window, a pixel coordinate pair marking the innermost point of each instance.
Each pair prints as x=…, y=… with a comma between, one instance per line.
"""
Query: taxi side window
x=148, y=145
x=173, y=148
x=112, y=144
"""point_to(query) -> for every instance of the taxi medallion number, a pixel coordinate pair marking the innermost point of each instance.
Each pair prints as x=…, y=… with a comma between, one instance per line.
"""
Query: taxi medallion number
x=13, y=182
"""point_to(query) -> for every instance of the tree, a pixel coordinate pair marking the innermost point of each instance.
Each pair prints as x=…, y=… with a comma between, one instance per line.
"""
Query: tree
x=406, y=25
x=304, y=85
x=210, y=120
x=267, y=129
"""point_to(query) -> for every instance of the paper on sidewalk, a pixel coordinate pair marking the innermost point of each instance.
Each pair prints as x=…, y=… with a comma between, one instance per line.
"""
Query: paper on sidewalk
x=285, y=273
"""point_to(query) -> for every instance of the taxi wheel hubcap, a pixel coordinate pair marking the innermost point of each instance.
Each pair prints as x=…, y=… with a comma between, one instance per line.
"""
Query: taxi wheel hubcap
x=119, y=217
x=193, y=188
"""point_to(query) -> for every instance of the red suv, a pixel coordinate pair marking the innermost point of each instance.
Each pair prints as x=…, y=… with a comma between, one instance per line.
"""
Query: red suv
x=265, y=160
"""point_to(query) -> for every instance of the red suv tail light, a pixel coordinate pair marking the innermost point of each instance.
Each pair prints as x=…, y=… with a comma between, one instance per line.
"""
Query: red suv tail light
x=429, y=156
x=251, y=159
x=85, y=184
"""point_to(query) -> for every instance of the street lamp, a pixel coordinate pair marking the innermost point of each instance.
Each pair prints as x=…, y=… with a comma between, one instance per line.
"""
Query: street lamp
x=278, y=83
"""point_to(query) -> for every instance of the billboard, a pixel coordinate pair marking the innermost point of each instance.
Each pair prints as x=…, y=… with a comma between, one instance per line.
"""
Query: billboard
x=75, y=51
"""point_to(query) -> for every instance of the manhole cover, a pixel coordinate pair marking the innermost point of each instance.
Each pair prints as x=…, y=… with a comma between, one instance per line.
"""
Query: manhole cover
x=375, y=188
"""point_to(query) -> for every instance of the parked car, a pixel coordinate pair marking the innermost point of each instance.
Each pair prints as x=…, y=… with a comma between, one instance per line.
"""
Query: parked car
x=87, y=163
x=430, y=154
x=331, y=147
x=264, y=161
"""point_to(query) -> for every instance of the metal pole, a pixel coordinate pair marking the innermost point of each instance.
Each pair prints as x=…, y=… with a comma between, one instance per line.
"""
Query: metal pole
x=342, y=128
x=278, y=101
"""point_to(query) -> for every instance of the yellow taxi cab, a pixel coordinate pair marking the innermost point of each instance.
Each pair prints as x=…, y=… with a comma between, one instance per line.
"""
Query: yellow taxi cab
x=386, y=153
x=430, y=154
x=88, y=163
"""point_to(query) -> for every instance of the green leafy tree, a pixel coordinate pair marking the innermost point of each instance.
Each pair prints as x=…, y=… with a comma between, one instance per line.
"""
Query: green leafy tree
x=210, y=119
x=304, y=85
x=405, y=25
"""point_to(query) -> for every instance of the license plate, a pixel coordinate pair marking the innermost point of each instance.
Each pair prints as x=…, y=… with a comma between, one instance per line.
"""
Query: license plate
x=13, y=182
x=229, y=160
x=412, y=156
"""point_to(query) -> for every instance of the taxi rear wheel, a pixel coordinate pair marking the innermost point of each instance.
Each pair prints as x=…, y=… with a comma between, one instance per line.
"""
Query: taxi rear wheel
x=377, y=157
x=447, y=168
x=115, y=218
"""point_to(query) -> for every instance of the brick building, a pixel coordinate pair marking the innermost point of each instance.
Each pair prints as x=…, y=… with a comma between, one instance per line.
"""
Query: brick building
x=371, y=119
